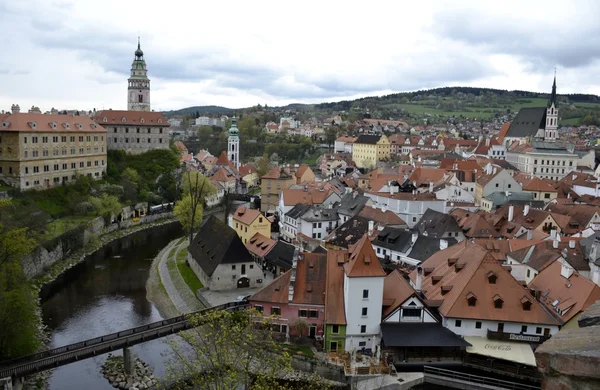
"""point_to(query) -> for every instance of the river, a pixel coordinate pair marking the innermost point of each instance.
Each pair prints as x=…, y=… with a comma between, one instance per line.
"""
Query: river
x=105, y=293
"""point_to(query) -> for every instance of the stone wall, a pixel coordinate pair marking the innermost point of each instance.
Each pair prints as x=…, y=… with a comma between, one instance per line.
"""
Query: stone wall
x=571, y=358
x=45, y=255
x=325, y=370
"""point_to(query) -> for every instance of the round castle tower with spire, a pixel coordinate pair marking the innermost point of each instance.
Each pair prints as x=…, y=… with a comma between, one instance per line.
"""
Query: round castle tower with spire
x=138, y=90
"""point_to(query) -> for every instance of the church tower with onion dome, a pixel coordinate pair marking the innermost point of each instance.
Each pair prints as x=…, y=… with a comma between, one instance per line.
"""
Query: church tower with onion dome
x=138, y=89
x=233, y=144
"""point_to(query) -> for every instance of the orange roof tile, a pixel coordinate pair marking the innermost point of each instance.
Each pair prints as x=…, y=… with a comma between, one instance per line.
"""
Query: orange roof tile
x=131, y=118
x=384, y=218
x=334, y=293
x=454, y=285
x=503, y=132
x=363, y=261
x=260, y=245
x=246, y=215
x=396, y=290
x=49, y=123
x=247, y=169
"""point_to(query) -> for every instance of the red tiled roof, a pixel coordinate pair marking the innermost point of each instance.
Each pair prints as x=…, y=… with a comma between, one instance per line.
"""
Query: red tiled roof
x=334, y=292
x=49, y=123
x=131, y=118
x=260, y=245
x=363, y=261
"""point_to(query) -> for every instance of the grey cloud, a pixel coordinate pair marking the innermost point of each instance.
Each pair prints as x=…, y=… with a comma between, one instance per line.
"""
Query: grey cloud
x=542, y=44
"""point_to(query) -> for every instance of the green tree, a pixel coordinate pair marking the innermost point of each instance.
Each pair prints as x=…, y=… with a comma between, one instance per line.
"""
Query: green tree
x=262, y=165
x=107, y=206
x=189, y=209
x=301, y=326
x=228, y=350
x=130, y=181
x=17, y=303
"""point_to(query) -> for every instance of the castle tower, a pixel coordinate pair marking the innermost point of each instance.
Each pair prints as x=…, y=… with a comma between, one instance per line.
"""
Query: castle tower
x=233, y=144
x=138, y=89
x=551, y=129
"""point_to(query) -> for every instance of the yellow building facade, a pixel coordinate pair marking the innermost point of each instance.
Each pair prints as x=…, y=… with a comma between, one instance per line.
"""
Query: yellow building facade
x=247, y=222
x=368, y=149
x=39, y=151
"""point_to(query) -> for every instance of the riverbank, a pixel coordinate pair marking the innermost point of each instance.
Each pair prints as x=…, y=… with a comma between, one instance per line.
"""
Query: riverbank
x=39, y=381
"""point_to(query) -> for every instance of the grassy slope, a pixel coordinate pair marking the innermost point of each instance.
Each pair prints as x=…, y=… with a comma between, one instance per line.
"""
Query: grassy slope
x=186, y=272
x=62, y=225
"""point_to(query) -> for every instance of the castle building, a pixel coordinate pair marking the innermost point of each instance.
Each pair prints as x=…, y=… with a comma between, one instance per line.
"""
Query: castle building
x=38, y=151
x=138, y=89
x=233, y=144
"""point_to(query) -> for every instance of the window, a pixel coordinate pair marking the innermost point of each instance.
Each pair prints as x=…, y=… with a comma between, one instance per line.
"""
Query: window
x=492, y=277
x=363, y=329
x=45, y=140
x=89, y=164
x=472, y=300
x=34, y=140
x=477, y=324
x=45, y=153
x=275, y=311
x=26, y=170
x=362, y=344
x=258, y=308
x=36, y=169
x=526, y=305
x=523, y=328
x=81, y=164
x=73, y=165
x=547, y=196
x=46, y=168
x=498, y=302
x=538, y=330
x=313, y=314
x=528, y=273
x=233, y=267
x=54, y=139
x=335, y=329
x=364, y=311
x=500, y=327
x=303, y=313
x=26, y=154
x=56, y=167
x=365, y=294
x=81, y=138
x=414, y=219
x=64, y=166
x=24, y=140
x=251, y=266
x=458, y=323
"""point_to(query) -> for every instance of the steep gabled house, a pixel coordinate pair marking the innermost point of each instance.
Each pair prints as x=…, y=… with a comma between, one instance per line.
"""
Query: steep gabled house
x=439, y=225
x=351, y=204
x=220, y=260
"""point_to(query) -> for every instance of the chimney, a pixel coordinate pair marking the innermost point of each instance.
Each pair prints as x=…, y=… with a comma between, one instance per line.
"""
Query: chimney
x=573, y=177
x=555, y=243
x=15, y=108
x=494, y=170
x=419, y=279
x=511, y=213
x=526, y=210
x=354, y=195
x=529, y=234
x=487, y=142
x=371, y=227
x=430, y=186
x=414, y=237
x=443, y=244
x=553, y=234
x=572, y=244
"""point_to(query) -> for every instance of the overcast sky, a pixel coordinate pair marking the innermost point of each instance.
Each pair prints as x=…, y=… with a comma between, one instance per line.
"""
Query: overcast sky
x=77, y=53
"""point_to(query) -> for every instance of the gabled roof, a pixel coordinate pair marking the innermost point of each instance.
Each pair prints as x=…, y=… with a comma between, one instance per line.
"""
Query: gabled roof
x=246, y=215
x=474, y=225
x=503, y=132
x=424, y=247
x=297, y=211
x=49, y=123
x=540, y=255
x=282, y=255
x=464, y=271
x=363, y=261
x=396, y=290
x=260, y=245
x=301, y=170
x=384, y=218
x=352, y=203
x=582, y=213
x=527, y=122
x=309, y=285
x=564, y=297
x=394, y=239
x=247, y=169
x=334, y=293
x=424, y=176
x=436, y=224
x=216, y=243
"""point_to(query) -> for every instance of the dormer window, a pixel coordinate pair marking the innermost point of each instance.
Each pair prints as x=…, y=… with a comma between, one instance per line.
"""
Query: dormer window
x=5, y=124
x=160, y=121
x=52, y=125
x=435, y=279
x=93, y=125
x=498, y=302
x=526, y=303
x=471, y=299
x=446, y=289
x=492, y=277
x=452, y=261
x=142, y=120
x=459, y=266
x=123, y=119
x=33, y=125
x=427, y=271
x=66, y=125
x=104, y=119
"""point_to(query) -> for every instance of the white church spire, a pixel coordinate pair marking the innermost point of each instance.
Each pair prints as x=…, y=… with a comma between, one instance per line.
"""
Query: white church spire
x=233, y=144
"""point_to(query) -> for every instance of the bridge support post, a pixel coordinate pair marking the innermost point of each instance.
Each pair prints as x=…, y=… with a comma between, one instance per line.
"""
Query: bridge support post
x=128, y=361
x=6, y=383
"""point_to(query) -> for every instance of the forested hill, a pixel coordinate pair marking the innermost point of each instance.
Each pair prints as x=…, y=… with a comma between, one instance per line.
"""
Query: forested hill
x=201, y=110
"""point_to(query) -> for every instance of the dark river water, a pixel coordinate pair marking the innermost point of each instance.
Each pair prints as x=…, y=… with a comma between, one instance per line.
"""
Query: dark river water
x=103, y=294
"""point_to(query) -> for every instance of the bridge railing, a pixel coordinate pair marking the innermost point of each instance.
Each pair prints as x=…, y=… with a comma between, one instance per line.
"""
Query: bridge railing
x=117, y=335
x=476, y=379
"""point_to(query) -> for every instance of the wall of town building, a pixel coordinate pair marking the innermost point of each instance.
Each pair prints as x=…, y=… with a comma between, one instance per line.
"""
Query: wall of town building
x=137, y=139
x=353, y=296
x=470, y=327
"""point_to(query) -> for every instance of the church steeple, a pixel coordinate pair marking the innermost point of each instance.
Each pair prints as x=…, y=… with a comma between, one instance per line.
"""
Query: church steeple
x=553, y=95
x=138, y=90
x=551, y=129
x=233, y=144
